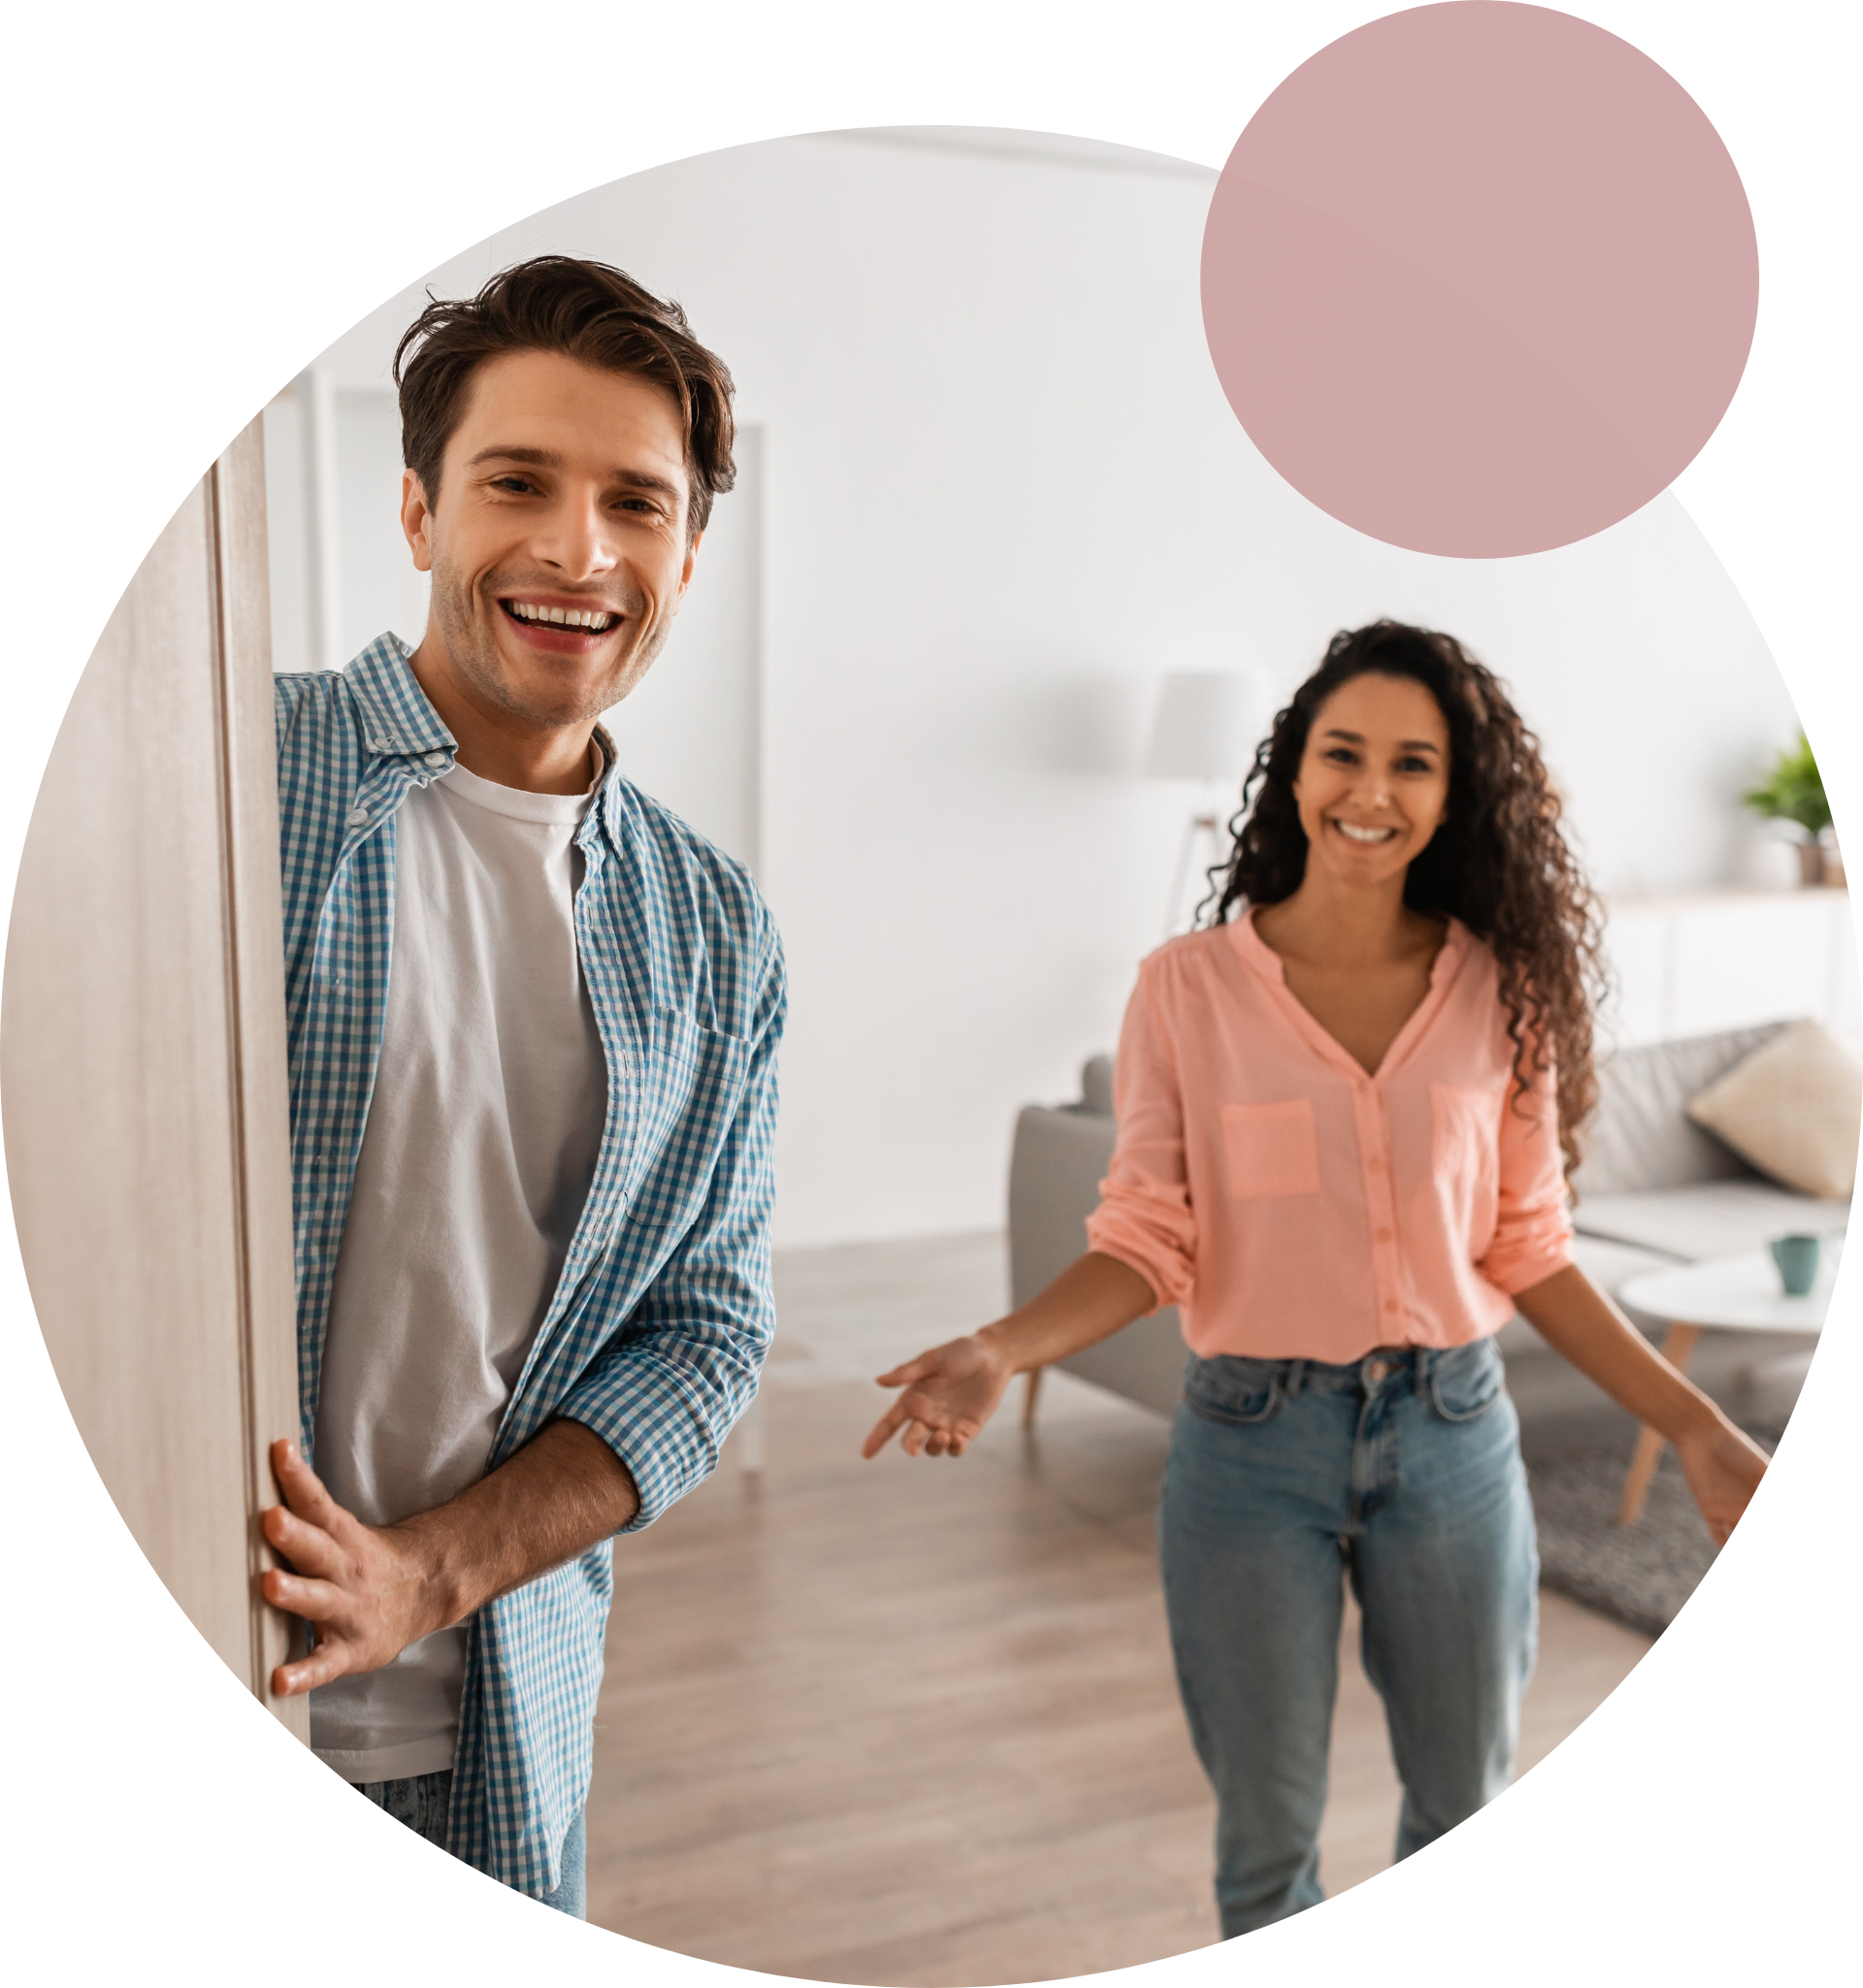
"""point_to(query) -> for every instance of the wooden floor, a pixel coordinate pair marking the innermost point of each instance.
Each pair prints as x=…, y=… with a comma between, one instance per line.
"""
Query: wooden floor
x=915, y=1722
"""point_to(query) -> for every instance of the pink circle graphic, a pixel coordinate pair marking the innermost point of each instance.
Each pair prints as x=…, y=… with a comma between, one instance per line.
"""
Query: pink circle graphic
x=1480, y=278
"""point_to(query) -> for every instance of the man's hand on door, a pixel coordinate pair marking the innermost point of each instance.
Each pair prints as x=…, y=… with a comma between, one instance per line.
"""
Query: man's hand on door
x=369, y=1591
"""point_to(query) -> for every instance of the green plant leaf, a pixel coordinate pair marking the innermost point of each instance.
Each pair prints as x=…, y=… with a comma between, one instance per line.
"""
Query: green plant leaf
x=1793, y=791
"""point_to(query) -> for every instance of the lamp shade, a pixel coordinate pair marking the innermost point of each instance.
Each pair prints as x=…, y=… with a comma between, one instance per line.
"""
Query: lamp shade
x=1207, y=726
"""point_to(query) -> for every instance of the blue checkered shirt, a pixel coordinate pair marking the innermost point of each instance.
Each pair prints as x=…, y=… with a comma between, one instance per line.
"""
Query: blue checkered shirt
x=662, y=1311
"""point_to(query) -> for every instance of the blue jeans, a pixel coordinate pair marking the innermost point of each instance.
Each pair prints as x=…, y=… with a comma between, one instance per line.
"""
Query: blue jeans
x=1403, y=1474
x=420, y=1801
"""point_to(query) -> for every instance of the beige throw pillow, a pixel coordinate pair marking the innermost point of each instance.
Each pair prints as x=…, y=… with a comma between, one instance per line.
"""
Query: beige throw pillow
x=1792, y=1109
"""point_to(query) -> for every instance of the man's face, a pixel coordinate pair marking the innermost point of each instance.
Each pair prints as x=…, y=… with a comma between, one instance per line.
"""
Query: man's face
x=563, y=501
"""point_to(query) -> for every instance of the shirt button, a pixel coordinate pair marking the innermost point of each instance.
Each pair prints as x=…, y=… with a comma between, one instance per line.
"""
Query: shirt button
x=1382, y=1235
x=434, y=759
x=1390, y=1304
x=355, y=818
x=1374, y=1164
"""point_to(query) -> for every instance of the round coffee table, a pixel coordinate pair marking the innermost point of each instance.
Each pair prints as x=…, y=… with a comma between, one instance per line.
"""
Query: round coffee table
x=1725, y=1293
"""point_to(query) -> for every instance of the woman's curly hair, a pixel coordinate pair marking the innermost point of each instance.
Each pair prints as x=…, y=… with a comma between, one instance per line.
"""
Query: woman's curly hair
x=1498, y=862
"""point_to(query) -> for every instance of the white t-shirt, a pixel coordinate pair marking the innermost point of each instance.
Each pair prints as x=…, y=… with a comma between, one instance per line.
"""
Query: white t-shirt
x=476, y=1158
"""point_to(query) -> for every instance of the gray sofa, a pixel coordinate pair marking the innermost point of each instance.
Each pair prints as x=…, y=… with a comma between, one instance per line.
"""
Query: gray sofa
x=1653, y=1189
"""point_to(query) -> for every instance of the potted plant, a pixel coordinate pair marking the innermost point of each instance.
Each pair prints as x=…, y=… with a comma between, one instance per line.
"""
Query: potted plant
x=1793, y=791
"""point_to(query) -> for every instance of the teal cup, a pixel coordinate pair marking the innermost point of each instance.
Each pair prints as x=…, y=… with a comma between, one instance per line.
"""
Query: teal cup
x=1797, y=1260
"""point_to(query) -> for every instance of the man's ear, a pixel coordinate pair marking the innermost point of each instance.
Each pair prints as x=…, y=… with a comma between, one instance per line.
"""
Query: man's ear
x=416, y=519
x=685, y=572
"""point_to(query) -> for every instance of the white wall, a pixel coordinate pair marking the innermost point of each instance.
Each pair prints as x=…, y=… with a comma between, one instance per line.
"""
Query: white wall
x=378, y=587
x=1002, y=494
x=692, y=735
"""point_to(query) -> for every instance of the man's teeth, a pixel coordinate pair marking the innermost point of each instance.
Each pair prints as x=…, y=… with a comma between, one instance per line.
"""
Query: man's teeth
x=565, y=617
x=1357, y=835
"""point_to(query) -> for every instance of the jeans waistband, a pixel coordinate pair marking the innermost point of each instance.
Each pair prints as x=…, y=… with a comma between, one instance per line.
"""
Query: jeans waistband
x=1384, y=1366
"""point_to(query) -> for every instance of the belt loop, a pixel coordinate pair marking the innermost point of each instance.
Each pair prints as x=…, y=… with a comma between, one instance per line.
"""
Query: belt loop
x=1296, y=1375
x=1419, y=1370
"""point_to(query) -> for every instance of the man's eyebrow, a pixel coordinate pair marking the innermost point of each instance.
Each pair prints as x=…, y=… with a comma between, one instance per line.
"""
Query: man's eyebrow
x=551, y=459
x=645, y=479
x=541, y=458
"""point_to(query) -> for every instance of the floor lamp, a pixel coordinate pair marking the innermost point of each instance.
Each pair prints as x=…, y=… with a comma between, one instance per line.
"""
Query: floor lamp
x=1205, y=728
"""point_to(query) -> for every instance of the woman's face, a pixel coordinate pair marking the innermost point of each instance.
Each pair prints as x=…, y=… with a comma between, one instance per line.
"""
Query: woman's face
x=1373, y=785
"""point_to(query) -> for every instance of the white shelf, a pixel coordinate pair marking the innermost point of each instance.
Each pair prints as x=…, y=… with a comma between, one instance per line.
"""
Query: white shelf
x=1692, y=963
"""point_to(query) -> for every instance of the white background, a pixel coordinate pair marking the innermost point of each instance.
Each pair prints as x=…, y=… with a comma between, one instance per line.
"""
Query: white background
x=200, y=201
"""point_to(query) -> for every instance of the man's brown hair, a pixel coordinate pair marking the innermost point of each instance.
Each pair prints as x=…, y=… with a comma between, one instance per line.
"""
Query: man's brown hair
x=586, y=311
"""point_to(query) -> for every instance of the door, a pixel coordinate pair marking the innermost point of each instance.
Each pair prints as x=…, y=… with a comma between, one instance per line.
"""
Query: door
x=142, y=1072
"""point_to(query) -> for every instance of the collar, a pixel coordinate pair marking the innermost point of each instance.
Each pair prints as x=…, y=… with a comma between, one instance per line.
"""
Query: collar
x=397, y=720
x=611, y=797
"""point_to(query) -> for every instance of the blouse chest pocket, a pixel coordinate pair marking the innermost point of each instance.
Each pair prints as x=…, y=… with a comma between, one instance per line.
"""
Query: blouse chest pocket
x=1464, y=1147
x=1271, y=1150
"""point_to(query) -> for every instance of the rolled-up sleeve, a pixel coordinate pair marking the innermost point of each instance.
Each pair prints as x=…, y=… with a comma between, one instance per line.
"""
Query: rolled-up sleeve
x=1144, y=1217
x=1533, y=1227
x=665, y=1391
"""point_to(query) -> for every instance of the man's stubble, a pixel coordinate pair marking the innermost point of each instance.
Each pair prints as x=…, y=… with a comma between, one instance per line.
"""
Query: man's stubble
x=475, y=660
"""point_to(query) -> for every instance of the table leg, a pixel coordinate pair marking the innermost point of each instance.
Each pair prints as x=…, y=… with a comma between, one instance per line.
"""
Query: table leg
x=1679, y=1344
x=1030, y=1391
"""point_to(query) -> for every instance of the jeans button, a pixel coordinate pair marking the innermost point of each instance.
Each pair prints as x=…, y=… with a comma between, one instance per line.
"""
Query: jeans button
x=1375, y=1372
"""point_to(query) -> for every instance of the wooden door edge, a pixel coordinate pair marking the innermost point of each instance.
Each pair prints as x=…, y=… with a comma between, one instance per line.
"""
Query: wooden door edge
x=259, y=1080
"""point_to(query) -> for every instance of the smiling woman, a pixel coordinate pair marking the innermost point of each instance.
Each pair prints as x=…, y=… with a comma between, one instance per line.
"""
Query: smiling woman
x=1343, y=1138
x=1372, y=792
x=1476, y=821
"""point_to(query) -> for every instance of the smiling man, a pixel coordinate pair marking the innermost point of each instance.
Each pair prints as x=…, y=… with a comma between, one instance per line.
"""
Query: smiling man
x=532, y=1027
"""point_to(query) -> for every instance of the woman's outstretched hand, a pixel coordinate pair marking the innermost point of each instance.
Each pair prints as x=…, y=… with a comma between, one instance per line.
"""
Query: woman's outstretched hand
x=1723, y=1469
x=953, y=1391
x=950, y=1393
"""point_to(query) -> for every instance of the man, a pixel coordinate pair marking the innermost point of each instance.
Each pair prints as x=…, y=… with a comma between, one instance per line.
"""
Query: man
x=532, y=1027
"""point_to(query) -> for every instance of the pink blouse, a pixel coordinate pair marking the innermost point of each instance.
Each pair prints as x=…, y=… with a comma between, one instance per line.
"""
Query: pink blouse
x=1291, y=1206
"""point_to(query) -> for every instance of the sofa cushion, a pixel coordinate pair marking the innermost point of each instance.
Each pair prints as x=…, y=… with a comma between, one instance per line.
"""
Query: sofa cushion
x=1793, y=1109
x=1641, y=1135
x=1715, y=1219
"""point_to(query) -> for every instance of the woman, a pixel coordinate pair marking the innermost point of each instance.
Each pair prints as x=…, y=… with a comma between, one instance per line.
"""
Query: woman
x=1346, y=1114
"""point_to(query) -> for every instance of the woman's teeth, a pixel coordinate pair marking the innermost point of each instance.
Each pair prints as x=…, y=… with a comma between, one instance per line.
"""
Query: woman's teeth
x=1352, y=833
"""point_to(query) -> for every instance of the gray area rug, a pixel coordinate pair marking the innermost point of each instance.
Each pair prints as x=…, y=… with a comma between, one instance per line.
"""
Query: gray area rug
x=1638, y=1574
